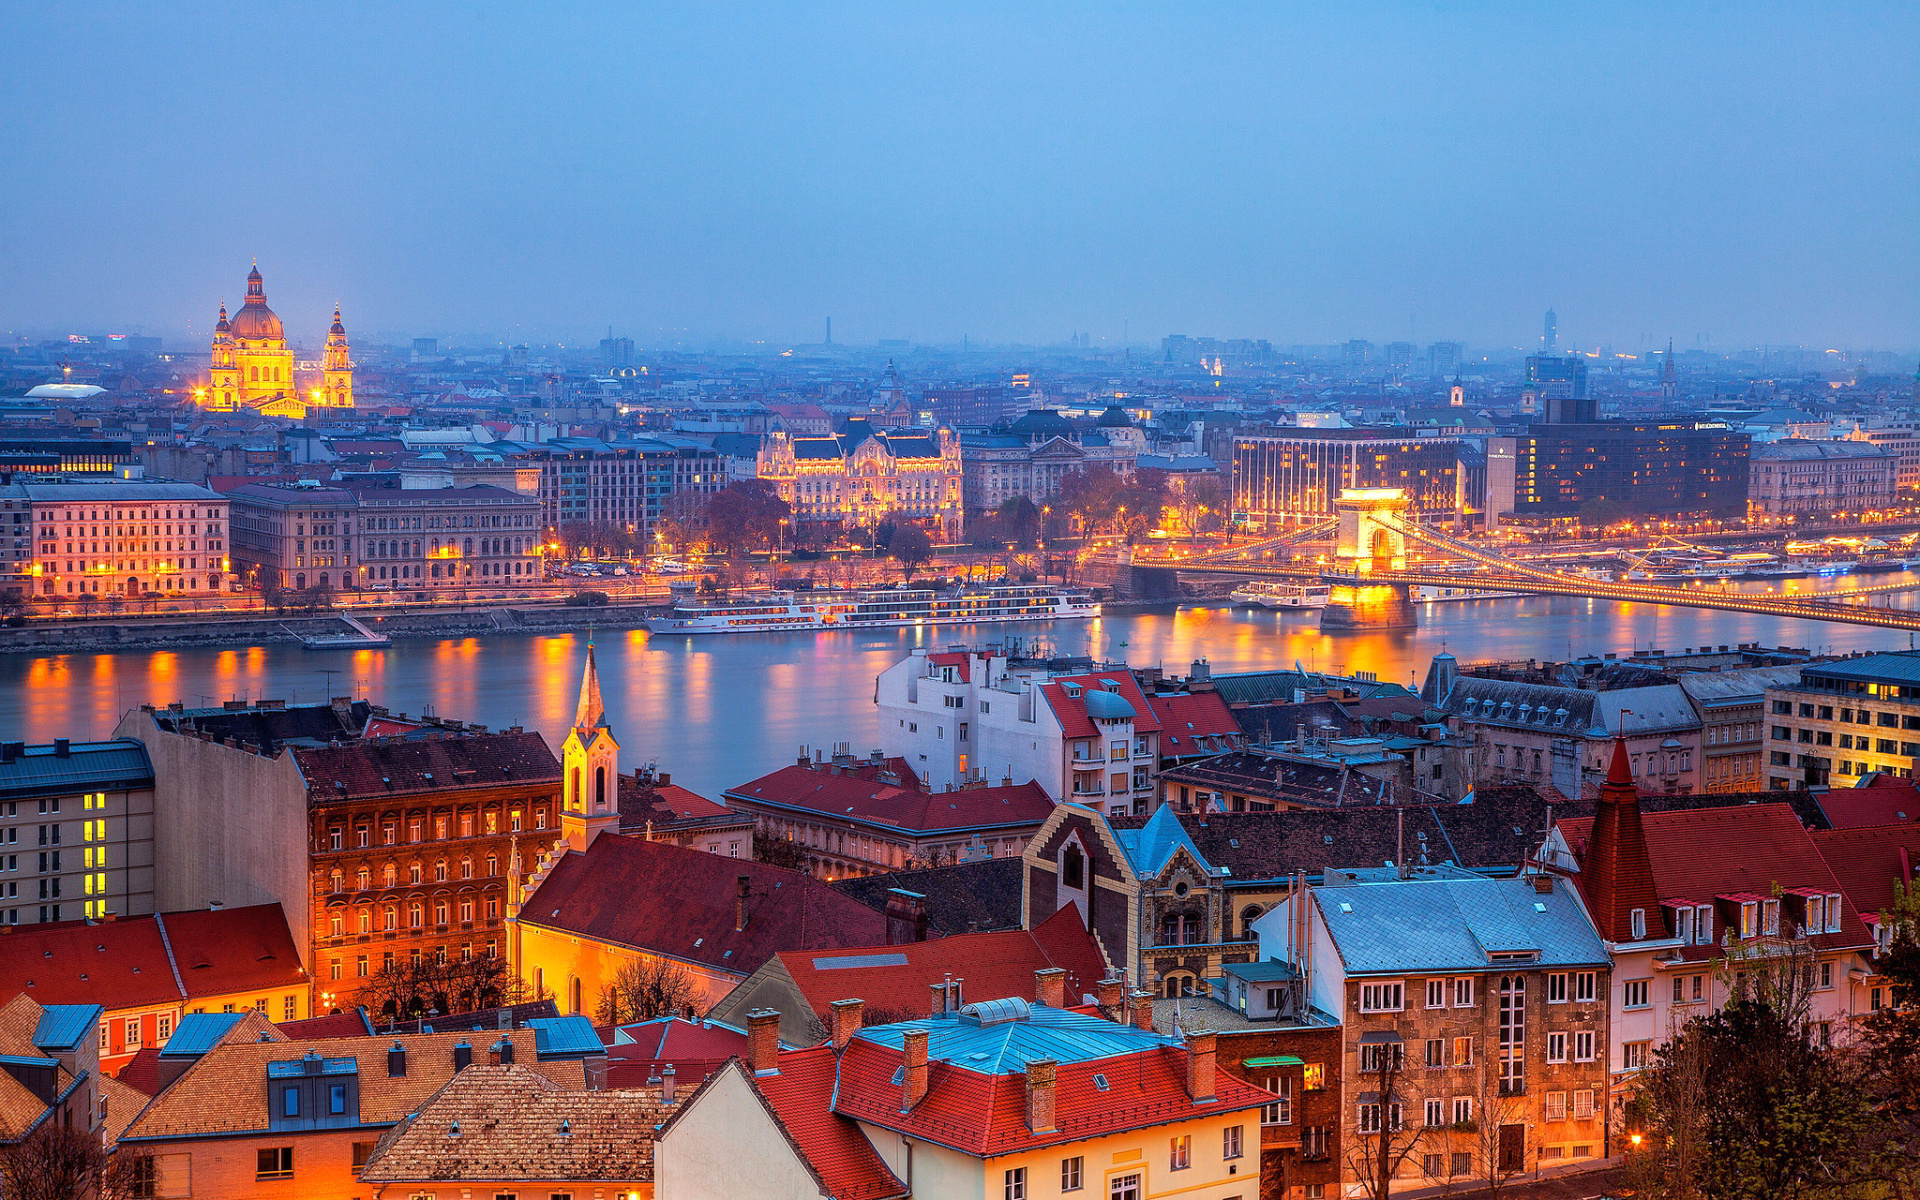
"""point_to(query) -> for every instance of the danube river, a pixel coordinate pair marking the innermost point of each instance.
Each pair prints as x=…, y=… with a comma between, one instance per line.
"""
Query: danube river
x=716, y=711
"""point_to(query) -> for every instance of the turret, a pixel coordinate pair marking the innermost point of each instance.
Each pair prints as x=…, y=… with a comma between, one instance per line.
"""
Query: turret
x=589, y=761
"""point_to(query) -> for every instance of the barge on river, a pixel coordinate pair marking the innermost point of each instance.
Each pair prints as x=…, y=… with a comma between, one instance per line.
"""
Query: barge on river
x=881, y=608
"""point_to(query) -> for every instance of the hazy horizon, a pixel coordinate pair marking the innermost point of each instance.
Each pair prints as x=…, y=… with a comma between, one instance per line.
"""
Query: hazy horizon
x=1723, y=175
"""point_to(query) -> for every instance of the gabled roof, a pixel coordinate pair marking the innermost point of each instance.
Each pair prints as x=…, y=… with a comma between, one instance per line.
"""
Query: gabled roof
x=970, y=897
x=800, y=1101
x=1110, y=1078
x=140, y=961
x=1453, y=922
x=994, y=965
x=1072, y=712
x=896, y=806
x=433, y=764
x=510, y=1129
x=1698, y=854
x=1878, y=800
x=1193, y=723
x=1869, y=860
x=20, y=1109
x=681, y=903
x=1152, y=846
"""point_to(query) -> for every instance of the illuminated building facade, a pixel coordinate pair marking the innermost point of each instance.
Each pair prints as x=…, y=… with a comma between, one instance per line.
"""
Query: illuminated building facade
x=1820, y=478
x=863, y=476
x=1290, y=479
x=126, y=539
x=1677, y=469
x=253, y=367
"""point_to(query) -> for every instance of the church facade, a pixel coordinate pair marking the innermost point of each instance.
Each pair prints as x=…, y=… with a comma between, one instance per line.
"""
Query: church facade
x=253, y=367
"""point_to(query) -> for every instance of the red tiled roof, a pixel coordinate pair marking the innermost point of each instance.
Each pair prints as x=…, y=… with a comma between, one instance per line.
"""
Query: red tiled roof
x=1869, y=860
x=392, y=767
x=142, y=1071
x=345, y=1024
x=958, y=658
x=1188, y=716
x=680, y=902
x=994, y=966
x=388, y=727
x=852, y=796
x=1071, y=711
x=677, y=1037
x=800, y=1097
x=1883, y=801
x=126, y=964
x=1615, y=874
x=1709, y=852
x=985, y=1115
x=684, y=803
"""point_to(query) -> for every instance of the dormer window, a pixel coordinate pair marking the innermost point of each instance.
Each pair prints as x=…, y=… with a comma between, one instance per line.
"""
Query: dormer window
x=1637, y=922
x=1770, y=917
x=1816, y=914
x=1749, y=918
x=1703, y=925
x=1683, y=923
x=1833, y=912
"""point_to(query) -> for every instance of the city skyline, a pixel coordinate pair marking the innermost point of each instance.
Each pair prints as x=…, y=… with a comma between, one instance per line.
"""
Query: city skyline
x=992, y=175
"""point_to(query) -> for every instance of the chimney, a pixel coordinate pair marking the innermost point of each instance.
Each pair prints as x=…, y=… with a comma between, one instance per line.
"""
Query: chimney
x=906, y=917
x=493, y=1055
x=1111, y=995
x=847, y=1015
x=667, y=1078
x=462, y=1055
x=740, y=891
x=397, y=1062
x=914, y=1070
x=763, y=1041
x=61, y=747
x=506, y=1051
x=1040, y=1074
x=1200, y=1070
x=1050, y=987
x=1143, y=1011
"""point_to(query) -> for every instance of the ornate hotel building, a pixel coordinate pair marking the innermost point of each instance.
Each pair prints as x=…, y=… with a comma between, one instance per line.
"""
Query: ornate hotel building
x=253, y=367
x=863, y=475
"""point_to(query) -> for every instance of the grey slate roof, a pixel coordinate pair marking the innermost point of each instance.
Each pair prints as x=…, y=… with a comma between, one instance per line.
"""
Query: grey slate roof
x=1903, y=669
x=1392, y=926
x=89, y=767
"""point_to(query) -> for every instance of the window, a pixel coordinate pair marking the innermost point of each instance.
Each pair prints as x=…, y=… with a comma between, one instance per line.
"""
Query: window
x=1556, y=1107
x=1313, y=1143
x=1634, y=993
x=1180, y=1152
x=1375, y=1056
x=1637, y=919
x=1436, y=993
x=1703, y=925
x=276, y=1163
x=142, y=1178
x=1280, y=1110
x=1124, y=1187
x=1381, y=997
x=1436, y=1052
x=1583, y=986
x=1462, y=1109
x=290, y=1007
x=1231, y=1141
x=1583, y=1046
x=1826, y=975
x=1015, y=1186
x=1463, y=992
x=1436, y=1113
x=1557, y=1046
x=1372, y=1114
x=1557, y=988
x=1633, y=1055
x=290, y=1102
x=1073, y=1173
x=1463, y=1052
x=1583, y=1105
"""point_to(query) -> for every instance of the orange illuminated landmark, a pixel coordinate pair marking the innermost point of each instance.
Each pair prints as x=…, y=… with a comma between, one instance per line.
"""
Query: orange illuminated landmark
x=253, y=367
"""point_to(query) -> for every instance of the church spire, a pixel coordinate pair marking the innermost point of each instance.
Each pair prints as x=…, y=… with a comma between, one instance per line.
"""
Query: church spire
x=1616, y=871
x=591, y=713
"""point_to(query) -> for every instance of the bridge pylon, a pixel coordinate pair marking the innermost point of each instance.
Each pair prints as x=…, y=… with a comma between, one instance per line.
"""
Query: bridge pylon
x=1366, y=544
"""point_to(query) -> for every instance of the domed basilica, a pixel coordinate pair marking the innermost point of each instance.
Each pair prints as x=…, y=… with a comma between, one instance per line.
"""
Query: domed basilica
x=253, y=366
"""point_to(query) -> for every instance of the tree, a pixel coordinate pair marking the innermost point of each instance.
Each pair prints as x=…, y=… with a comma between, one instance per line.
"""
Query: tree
x=66, y=1162
x=778, y=852
x=1385, y=1140
x=910, y=546
x=1889, y=1048
x=745, y=516
x=409, y=989
x=643, y=989
x=1199, y=503
x=1492, y=1110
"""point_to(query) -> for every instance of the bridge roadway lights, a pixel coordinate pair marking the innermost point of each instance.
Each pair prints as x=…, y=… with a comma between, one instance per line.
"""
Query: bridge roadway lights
x=1357, y=605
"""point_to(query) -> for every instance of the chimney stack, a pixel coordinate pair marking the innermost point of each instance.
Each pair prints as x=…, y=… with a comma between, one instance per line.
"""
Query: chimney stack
x=1143, y=1011
x=763, y=1041
x=1040, y=1073
x=462, y=1055
x=506, y=1051
x=1111, y=995
x=914, y=1072
x=1050, y=987
x=740, y=890
x=397, y=1062
x=847, y=1017
x=906, y=917
x=667, y=1078
x=493, y=1055
x=1200, y=1067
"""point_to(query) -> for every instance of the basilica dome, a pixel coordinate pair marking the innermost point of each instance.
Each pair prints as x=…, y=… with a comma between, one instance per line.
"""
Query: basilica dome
x=255, y=321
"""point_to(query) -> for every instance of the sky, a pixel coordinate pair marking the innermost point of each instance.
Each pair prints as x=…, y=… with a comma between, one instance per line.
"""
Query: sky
x=1724, y=174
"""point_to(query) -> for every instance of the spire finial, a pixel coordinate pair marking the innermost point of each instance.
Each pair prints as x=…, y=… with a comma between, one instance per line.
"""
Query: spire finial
x=591, y=712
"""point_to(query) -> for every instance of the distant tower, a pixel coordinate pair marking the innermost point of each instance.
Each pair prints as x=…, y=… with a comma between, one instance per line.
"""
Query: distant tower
x=336, y=369
x=1457, y=395
x=1669, y=380
x=1916, y=385
x=223, y=379
x=1550, y=334
x=589, y=761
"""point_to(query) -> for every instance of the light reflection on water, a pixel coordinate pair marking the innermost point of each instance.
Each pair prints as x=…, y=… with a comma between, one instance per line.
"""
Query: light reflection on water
x=716, y=711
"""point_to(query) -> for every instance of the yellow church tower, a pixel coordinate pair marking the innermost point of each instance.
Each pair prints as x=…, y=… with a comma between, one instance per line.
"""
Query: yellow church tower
x=336, y=383
x=589, y=762
x=252, y=366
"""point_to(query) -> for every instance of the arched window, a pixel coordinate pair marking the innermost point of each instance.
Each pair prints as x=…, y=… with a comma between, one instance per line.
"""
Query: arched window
x=573, y=986
x=336, y=882
x=573, y=792
x=393, y=916
x=1073, y=868
x=1248, y=916
x=1177, y=985
x=413, y=873
x=599, y=787
x=416, y=914
x=388, y=875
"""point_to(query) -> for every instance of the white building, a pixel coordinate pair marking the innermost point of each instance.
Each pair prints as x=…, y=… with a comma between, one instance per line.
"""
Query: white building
x=1089, y=736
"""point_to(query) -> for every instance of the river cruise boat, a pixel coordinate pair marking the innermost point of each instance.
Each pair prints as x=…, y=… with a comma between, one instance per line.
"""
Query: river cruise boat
x=881, y=608
x=1280, y=594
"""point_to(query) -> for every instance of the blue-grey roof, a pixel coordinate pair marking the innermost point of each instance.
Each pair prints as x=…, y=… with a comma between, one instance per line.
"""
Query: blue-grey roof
x=292, y=1067
x=1447, y=921
x=88, y=767
x=1109, y=706
x=1903, y=669
x=198, y=1033
x=1149, y=847
x=64, y=1026
x=565, y=1037
x=1009, y=1045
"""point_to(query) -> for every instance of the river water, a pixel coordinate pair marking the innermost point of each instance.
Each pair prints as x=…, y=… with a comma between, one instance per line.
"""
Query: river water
x=717, y=711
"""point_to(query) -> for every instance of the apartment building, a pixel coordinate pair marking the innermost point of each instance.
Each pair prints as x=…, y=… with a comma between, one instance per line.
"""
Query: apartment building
x=76, y=831
x=1733, y=724
x=293, y=535
x=1473, y=1012
x=1086, y=735
x=1838, y=722
x=1822, y=478
x=126, y=538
